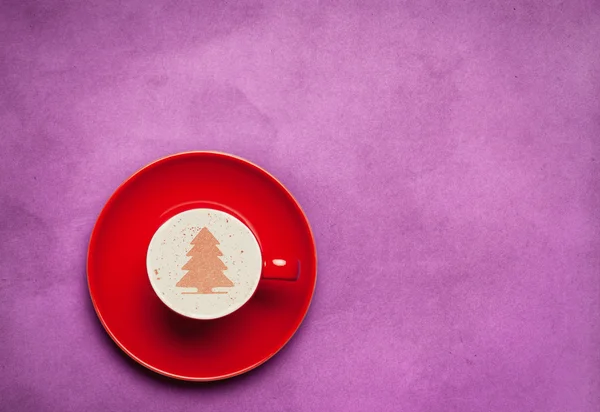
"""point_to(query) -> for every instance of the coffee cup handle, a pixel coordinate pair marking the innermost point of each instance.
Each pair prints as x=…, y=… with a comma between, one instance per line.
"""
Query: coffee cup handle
x=281, y=269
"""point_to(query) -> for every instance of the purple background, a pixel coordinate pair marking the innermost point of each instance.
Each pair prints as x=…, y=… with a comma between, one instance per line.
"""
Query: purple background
x=447, y=156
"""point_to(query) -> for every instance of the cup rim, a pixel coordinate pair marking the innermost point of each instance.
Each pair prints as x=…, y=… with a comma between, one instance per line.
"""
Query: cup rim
x=159, y=295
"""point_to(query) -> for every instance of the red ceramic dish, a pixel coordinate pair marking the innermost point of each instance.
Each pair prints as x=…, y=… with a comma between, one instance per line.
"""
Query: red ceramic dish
x=134, y=316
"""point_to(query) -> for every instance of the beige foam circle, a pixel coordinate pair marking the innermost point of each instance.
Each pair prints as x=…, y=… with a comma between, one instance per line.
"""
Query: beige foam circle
x=204, y=263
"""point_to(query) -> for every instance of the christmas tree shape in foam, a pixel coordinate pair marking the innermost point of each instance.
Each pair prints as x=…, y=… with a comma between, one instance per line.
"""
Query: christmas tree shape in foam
x=205, y=269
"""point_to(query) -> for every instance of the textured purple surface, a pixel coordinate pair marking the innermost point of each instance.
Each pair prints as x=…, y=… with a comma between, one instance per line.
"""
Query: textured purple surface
x=446, y=155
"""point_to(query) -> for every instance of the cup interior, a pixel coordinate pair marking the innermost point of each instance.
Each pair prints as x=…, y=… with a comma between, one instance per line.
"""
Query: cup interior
x=204, y=263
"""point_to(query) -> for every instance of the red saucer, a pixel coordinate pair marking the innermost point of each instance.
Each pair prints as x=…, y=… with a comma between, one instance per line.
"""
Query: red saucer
x=134, y=316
